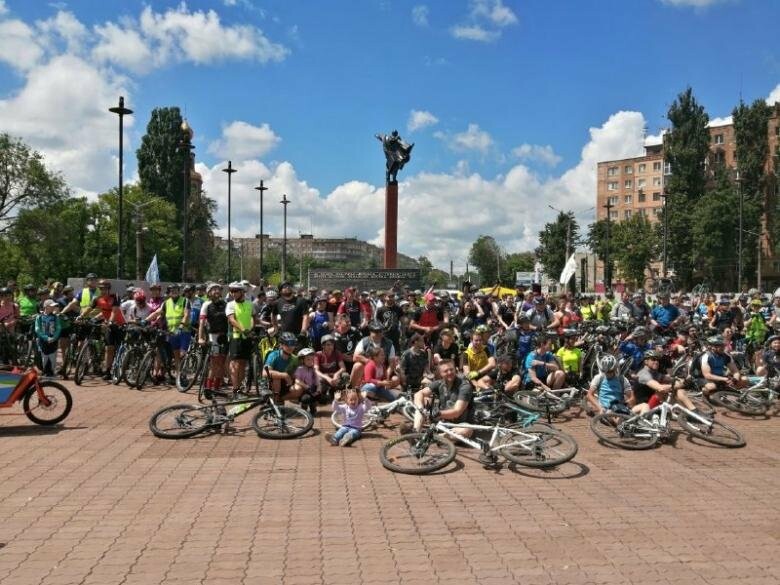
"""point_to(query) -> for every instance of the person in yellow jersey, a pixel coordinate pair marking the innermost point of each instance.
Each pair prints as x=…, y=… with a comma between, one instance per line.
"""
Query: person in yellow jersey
x=588, y=308
x=175, y=316
x=570, y=356
x=478, y=362
x=28, y=303
x=89, y=292
x=241, y=318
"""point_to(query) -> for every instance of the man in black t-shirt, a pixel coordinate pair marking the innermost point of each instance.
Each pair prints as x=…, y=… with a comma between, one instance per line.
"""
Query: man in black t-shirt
x=454, y=395
x=505, y=376
x=292, y=311
x=347, y=339
x=389, y=315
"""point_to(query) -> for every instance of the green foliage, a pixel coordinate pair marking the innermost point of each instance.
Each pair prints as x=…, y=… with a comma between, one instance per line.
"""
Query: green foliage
x=25, y=182
x=686, y=147
x=161, y=161
x=552, y=243
x=485, y=256
x=635, y=247
x=516, y=262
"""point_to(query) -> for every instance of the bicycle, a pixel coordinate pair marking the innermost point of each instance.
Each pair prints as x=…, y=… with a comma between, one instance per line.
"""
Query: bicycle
x=92, y=352
x=428, y=451
x=153, y=339
x=643, y=431
x=753, y=401
x=378, y=414
x=194, y=366
x=44, y=402
x=272, y=421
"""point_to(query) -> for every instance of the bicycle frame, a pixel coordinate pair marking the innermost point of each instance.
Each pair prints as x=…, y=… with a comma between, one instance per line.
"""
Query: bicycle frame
x=446, y=429
x=26, y=380
x=666, y=412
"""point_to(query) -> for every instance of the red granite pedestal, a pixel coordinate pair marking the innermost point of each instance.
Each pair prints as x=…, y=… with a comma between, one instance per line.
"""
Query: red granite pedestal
x=391, y=225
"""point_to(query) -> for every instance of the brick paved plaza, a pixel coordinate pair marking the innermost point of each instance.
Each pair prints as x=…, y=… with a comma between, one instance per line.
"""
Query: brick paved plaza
x=100, y=501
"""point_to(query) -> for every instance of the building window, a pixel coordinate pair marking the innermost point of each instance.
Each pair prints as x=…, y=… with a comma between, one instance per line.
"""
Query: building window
x=641, y=197
x=613, y=200
x=642, y=212
x=642, y=168
x=640, y=183
x=612, y=171
x=627, y=199
x=613, y=215
x=656, y=181
x=720, y=157
x=656, y=196
x=777, y=130
x=612, y=186
x=667, y=168
x=719, y=139
x=656, y=166
x=627, y=214
x=628, y=184
x=628, y=169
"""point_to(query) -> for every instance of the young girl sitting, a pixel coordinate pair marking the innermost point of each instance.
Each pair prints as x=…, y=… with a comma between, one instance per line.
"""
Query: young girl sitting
x=306, y=381
x=379, y=381
x=352, y=411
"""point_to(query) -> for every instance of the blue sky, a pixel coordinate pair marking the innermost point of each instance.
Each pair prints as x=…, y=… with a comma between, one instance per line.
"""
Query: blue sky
x=510, y=103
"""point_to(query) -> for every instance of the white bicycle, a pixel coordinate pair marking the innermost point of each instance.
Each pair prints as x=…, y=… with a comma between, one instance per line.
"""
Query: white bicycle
x=379, y=413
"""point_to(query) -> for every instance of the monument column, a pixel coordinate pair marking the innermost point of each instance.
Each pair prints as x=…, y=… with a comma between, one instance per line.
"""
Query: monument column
x=391, y=225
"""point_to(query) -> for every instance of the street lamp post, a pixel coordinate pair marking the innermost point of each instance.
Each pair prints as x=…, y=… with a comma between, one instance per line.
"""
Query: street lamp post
x=139, y=232
x=665, y=195
x=739, y=241
x=187, y=146
x=284, y=202
x=607, y=268
x=262, y=188
x=121, y=111
x=229, y=170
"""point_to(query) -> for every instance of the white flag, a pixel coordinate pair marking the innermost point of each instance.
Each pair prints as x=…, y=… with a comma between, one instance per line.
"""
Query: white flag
x=569, y=270
x=153, y=273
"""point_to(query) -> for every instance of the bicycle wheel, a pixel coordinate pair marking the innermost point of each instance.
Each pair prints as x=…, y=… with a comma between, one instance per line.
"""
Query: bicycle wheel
x=713, y=432
x=337, y=418
x=737, y=402
x=59, y=403
x=180, y=421
x=69, y=358
x=549, y=449
x=145, y=369
x=130, y=362
x=614, y=429
x=417, y=453
x=531, y=400
x=291, y=422
x=83, y=363
x=116, y=366
x=703, y=406
x=188, y=370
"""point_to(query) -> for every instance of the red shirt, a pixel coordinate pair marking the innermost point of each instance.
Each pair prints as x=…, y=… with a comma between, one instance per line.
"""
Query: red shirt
x=107, y=305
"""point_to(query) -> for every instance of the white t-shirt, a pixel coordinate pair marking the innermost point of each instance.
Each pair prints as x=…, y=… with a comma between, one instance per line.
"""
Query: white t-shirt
x=136, y=313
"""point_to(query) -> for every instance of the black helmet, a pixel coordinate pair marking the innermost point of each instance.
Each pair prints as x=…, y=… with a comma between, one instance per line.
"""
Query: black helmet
x=375, y=326
x=651, y=355
x=716, y=340
x=288, y=338
x=28, y=287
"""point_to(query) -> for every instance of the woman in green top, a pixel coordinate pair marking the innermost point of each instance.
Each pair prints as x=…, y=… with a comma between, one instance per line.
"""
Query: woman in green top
x=569, y=355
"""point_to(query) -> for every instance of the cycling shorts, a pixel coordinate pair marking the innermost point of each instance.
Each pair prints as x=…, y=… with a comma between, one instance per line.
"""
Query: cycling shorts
x=180, y=341
x=240, y=349
x=219, y=343
x=113, y=335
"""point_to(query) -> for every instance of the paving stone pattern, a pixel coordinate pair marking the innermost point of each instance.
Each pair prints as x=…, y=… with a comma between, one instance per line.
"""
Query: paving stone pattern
x=100, y=501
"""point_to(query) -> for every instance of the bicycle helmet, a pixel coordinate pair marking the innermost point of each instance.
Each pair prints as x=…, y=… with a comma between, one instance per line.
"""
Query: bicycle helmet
x=212, y=286
x=5, y=291
x=716, y=340
x=327, y=338
x=321, y=300
x=769, y=340
x=271, y=294
x=139, y=295
x=639, y=332
x=651, y=355
x=375, y=326
x=481, y=329
x=288, y=338
x=570, y=333
x=188, y=288
x=306, y=351
x=235, y=286
x=607, y=363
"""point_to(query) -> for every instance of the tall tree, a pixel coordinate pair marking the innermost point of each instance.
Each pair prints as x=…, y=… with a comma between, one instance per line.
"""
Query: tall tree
x=486, y=256
x=636, y=245
x=553, y=243
x=751, y=124
x=686, y=147
x=516, y=262
x=25, y=181
x=161, y=159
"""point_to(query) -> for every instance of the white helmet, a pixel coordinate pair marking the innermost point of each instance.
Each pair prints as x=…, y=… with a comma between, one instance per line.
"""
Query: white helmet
x=235, y=286
x=305, y=351
x=607, y=362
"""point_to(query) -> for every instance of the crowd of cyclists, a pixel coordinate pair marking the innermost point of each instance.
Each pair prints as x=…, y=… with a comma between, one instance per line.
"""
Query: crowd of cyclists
x=446, y=347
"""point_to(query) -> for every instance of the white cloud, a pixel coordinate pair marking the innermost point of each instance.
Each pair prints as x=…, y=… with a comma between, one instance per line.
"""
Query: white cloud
x=123, y=47
x=655, y=139
x=419, y=119
x=63, y=26
x=473, y=138
x=229, y=2
x=474, y=32
x=242, y=141
x=692, y=3
x=420, y=15
x=19, y=47
x=535, y=152
x=494, y=11
x=774, y=96
x=726, y=121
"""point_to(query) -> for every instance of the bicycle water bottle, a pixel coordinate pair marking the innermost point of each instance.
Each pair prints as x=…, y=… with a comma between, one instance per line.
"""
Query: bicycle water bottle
x=656, y=420
x=239, y=408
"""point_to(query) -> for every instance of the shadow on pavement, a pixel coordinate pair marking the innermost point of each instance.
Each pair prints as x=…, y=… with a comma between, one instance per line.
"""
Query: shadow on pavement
x=33, y=430
x=569, y=470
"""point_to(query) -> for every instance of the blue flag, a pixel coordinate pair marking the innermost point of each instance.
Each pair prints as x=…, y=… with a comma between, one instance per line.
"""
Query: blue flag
x=153, y=273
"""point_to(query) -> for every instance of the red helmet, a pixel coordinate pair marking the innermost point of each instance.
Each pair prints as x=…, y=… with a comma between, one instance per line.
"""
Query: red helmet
x=139, y=295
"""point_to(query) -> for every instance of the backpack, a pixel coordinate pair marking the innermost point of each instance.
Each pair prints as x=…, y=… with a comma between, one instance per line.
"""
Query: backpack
x=600, y=378
x=694, y=370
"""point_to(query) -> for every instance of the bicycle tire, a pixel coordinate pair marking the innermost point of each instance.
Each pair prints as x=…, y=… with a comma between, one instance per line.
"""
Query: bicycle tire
x=188, y=421
x=419, y=463
x=269, y=425
x=608, y=427
x=529, y=400
x=51, y=390
x=130, y=362
x=188, y=371
x=69, y=359
x=736, y=402
x=703, y=406
x=145, y=368
x=714, y=432
x=553, y=448
x=116, y=368
x=83, y=362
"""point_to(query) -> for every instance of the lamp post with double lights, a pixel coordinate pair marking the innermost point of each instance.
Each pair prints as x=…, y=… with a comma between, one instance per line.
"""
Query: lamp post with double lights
x=121, y=111
x=229, y=170
x=284, y=202
x=140, y=229
x=262, y=188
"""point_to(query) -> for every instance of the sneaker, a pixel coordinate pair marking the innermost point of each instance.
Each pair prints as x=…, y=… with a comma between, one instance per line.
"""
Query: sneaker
x=330, y=439
x=405, y=428
x=346, y=440
x=313, y=408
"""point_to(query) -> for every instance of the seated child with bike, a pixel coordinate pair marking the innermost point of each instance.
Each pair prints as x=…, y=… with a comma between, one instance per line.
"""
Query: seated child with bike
x=352, y=410
x=610, y=390
x=307, y=384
